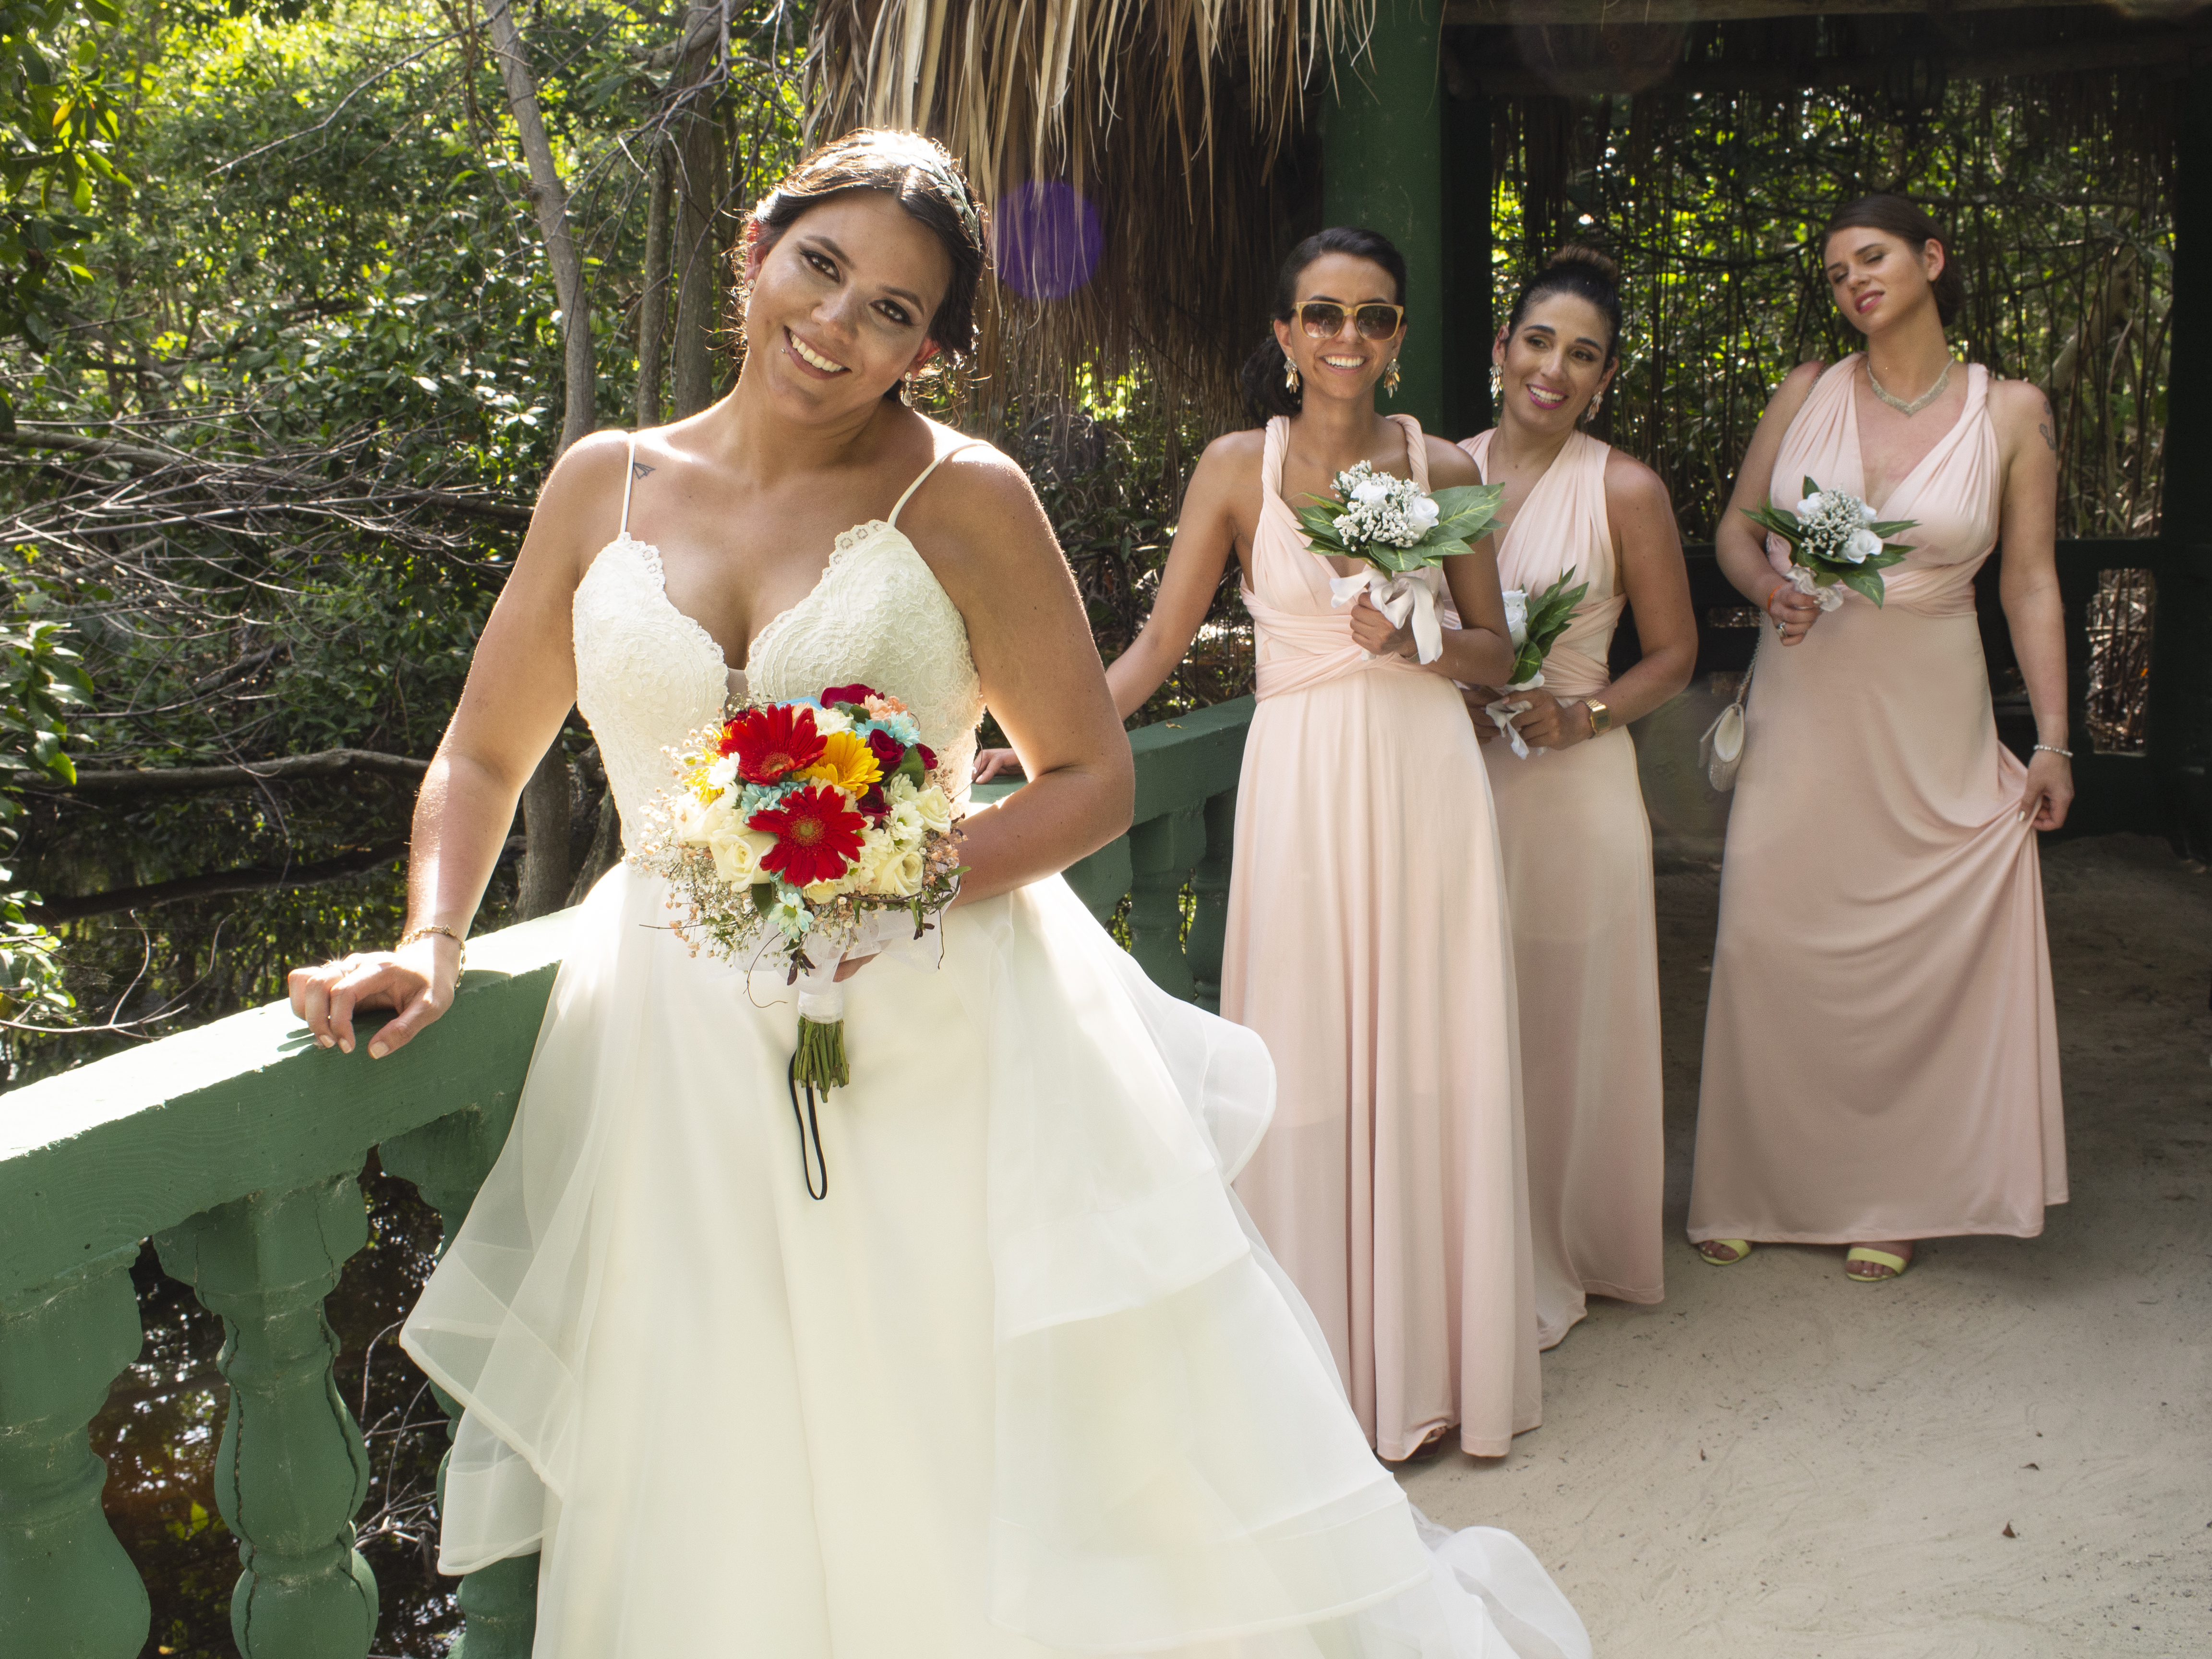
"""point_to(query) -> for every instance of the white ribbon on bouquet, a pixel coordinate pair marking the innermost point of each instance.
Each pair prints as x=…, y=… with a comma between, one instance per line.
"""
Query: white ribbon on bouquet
x=1828, y=598
x=1395, y=597
x=1502, y=711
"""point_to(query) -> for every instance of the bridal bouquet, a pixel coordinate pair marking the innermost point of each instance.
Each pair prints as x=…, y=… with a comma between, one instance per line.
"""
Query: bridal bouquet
x=1396, y=528
x=1534, y=626
x=798, y=831
x=1834, y=538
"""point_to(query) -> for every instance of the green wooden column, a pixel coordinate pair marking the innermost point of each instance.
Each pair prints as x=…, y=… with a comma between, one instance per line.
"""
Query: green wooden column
x=2180, y=713
x=1469, y=322
x=67, y=1590
x=1383, y=167
x=290, y=1472
x=447, y=1161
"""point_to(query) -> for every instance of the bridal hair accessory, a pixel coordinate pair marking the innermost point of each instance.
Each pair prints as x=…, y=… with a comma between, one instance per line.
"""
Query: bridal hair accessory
x=1917, y=404
x=1390, y=377
x=1397, y=529
x=1289, y=374
x=1834, y=538
x=799, y=834
x=1535, y=627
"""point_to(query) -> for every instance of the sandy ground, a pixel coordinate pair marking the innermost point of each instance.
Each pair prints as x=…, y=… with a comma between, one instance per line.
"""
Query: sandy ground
x=1777, y=1464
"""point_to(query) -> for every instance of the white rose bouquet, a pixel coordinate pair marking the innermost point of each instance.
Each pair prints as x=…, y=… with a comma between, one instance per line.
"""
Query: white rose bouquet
x=1534, y=626
x=1834, y=540
x=1396, y=528
x=801, y=832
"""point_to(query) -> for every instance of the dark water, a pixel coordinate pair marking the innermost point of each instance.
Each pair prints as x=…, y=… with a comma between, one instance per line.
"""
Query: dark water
x=161, y=1424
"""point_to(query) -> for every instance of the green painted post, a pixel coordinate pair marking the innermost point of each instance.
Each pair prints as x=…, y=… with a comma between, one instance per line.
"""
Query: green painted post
x=290, y=1472
x=1209, y=925
x=1468, y=322
x=1383, y=167
x=447, y=1161
x=1163, y=852
x=2179, y=723
x=67, y=1590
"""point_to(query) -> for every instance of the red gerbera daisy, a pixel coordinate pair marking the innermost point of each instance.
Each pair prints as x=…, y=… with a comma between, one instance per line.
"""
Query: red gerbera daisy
x=856, y=693
x=818, y=835
x=772, y=743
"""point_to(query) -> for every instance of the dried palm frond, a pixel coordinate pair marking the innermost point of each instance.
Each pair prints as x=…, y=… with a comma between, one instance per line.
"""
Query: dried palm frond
x=1166, y=118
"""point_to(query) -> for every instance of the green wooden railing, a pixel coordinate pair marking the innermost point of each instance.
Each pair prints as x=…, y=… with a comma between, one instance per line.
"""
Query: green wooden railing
x=236, y=1148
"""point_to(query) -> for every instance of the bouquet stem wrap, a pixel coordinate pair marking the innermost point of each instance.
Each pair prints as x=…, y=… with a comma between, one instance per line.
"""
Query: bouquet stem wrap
x=1504, y=709
x=1395, y=597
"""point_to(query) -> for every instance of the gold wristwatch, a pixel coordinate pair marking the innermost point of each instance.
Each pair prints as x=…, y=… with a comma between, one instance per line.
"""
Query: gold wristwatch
x=1601, y=717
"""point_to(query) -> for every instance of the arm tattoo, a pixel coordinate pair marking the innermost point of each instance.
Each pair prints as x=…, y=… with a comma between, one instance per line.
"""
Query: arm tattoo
x=2049, y=436
x=640, y=470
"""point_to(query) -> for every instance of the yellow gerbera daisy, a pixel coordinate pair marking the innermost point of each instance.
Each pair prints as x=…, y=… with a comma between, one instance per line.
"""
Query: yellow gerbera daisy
x=846, y=764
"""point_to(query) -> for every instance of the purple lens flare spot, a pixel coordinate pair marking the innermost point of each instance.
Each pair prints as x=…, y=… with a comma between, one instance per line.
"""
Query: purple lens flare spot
x=1047, y=239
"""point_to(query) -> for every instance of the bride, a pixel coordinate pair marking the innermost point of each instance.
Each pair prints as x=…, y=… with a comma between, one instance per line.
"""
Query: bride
x=1026, y=1382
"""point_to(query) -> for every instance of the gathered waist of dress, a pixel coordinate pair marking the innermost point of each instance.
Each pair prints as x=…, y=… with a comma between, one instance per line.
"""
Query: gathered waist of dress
x=1921, y=588
x=1295, y=651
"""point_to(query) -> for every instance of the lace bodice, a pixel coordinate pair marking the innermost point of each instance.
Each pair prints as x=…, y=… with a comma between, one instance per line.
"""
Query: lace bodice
x=646, y=674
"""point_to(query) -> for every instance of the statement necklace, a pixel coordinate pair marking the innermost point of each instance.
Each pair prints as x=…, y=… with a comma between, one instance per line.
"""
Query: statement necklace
x=1918, y=403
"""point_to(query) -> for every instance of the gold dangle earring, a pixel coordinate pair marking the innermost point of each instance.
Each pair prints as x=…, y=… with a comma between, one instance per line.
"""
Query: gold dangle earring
x=1289, y=374
x=1390, y=379
x=1596, y=404
x=1497, y=385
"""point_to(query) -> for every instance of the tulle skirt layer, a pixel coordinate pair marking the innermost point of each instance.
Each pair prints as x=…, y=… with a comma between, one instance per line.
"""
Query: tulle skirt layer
x=1022, y=1384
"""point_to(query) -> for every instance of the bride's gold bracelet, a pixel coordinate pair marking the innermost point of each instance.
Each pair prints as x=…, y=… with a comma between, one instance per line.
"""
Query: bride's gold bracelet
x=425, y=931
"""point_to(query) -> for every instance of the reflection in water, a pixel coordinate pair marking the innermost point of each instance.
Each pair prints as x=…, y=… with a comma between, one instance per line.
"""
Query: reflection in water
x=161, y=1425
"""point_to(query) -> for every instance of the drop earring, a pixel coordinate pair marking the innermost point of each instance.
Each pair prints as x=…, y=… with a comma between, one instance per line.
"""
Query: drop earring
x=1289, y=374
x=1497, y=383
x=1390, y=379
x=1595, y=404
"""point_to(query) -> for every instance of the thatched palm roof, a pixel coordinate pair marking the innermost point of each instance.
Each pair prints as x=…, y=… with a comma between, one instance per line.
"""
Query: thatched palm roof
x=1167, y=119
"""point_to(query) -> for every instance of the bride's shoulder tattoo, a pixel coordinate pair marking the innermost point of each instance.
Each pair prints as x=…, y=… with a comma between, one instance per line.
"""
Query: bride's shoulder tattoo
x=640, y=470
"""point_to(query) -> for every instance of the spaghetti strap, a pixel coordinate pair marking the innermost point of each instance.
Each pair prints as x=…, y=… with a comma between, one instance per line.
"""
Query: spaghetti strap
x=629, y=476
x=924, y=478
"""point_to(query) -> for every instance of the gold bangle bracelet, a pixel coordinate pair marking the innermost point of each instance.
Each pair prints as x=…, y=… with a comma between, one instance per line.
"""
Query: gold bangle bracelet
x=429, y=928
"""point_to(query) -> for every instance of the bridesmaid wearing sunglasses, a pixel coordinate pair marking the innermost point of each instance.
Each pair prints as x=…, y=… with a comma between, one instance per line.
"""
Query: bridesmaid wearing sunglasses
x=1367, y=932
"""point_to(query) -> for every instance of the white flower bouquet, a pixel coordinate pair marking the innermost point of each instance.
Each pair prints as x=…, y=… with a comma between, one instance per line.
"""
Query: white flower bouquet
x=1835, y=541
x=1396, y=528
x=1534, y=627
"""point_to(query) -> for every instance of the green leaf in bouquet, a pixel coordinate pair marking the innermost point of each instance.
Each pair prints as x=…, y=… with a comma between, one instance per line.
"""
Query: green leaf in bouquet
x=1465, y=513
x=1810, y=488
x=1866, y=581
x=1320, y=525
x=764, y=897
x=1885, y=528
x=1773, y=518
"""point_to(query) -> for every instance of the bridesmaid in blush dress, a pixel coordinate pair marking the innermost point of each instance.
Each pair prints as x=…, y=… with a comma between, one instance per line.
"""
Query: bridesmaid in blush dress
x=1368, y=941
x=1881, y=1064
x=1571, y=818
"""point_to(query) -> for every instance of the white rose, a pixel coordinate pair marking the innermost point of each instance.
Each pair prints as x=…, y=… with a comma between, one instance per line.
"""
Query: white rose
x=1862, y=546
x=935, y=810
x=737, y=854
x=821, y=892
x=697, y=821
x=900, y=874
x=1866, y=514
x=1422, y=514
x=1811, y=508
x=827, y=721
x=1516, y=615
x=1371, y=492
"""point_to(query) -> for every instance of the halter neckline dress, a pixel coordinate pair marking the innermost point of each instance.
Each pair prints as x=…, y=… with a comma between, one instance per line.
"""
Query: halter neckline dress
x=1023, y=1385
x=1881, y=1055
x=1577, y=845
x=1368, y=944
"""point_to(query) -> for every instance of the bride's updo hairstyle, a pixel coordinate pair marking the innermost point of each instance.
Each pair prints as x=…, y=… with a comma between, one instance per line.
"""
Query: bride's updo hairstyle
x=1581, y=270
x=1261, y=377
x=1910, y=224
x=922, y=174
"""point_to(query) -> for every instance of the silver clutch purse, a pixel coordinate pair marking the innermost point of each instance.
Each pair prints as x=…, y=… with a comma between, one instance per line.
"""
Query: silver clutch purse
x=1720, y=751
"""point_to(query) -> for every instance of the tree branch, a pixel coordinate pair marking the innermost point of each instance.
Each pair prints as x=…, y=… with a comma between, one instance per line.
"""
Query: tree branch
x=199, y=779
x=248, y=879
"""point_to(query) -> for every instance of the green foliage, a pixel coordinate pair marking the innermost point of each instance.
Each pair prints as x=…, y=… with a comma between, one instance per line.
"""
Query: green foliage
x=39, y=683
x=1550, y=614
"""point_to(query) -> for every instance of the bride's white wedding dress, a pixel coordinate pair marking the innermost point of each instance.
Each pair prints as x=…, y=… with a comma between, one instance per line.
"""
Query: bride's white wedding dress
x=1024, y=1383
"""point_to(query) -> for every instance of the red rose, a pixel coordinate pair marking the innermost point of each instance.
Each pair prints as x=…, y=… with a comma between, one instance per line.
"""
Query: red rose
x=837, y=694
x=818, y=835
x=772, y=743
x=888, y=750
x=875, y=805
x=929, y=757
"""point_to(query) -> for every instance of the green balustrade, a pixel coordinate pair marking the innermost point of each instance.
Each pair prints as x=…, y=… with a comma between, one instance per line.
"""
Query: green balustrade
x=236, y=1147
